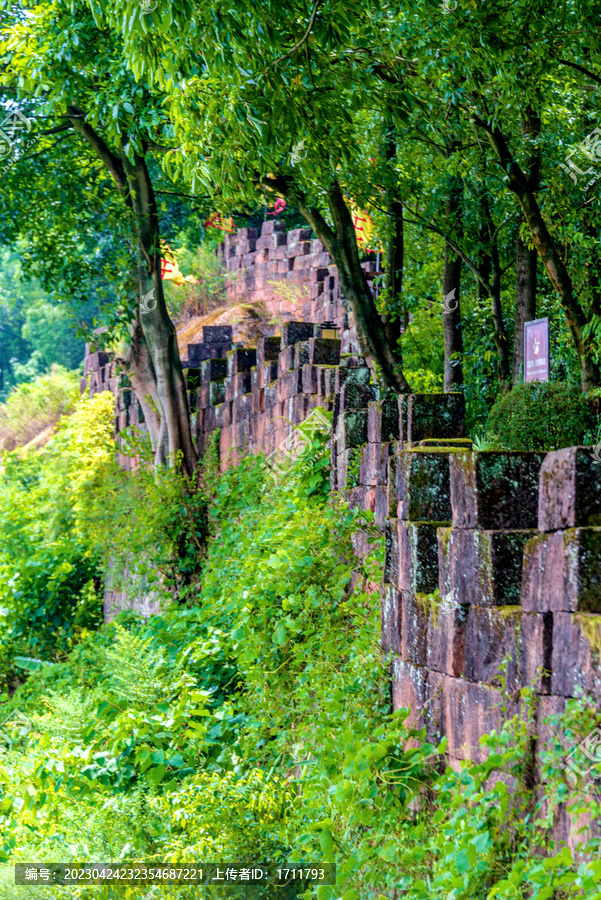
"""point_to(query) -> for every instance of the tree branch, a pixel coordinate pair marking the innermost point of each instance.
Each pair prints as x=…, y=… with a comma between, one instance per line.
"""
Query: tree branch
x=466, y=259
x=113, y=163
x=587, y=72
x=289, y=189
x=43, y=150
x=64, y=127
x=299, y=43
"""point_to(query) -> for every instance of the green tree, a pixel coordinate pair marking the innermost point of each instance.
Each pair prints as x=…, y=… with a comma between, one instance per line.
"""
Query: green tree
x=71, y=72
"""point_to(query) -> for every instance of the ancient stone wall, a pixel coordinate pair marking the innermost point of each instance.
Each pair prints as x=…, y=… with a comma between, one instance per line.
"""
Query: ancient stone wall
x=291, y=274
x=489, y=556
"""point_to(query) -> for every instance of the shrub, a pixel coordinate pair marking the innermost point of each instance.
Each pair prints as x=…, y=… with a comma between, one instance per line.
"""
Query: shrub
x=539, y=416
x=32, y=408
x=49, y=572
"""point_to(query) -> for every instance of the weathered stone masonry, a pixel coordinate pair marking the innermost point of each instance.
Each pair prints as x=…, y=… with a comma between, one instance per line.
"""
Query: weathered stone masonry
x=488, y=555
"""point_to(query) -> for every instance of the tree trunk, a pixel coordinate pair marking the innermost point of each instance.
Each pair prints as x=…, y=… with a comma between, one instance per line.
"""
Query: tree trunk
x=525, y=263
x=155, y=364
x=138, y=367
x=525, y=300
x=341, y=244
x=500, y=334
x=451, y=290
x=396, y=319
x=545, y=245
x=175, y=436
x=395, y=253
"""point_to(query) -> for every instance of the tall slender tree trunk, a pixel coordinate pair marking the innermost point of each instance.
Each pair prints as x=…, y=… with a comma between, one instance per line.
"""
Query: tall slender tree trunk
x=525, y=299
x=396, y=320
x=526, y=257
x=341, y=244
x=451, y=296
x=590, y=371
x=494, y=268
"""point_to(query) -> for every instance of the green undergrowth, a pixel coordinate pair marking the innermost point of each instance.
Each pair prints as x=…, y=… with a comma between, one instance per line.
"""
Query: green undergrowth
x=251, y=722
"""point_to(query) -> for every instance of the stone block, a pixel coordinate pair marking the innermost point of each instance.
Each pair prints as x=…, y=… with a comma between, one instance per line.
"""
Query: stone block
x=362, y=497
x=374, y=464
x=272, y=225
x=241, y=360
x=236, y=384
x=311, y=379
x=268, y=350
x=208, y=424
x=217, y=334
x=414, y=631
x=298, y=234
x=197, y=353
x=536, y=646
x=570, y=490
x=446, y=637
x=223, y=415
x=492, y=637
x=481, y=568
x=347, y=468
x=562, y=571
x=286, y=360
x=391, y=618
x=98, y=360
x=213, y=370
x=351, y=429
x=271, y=396
x=423, y=486
x=241, y=408
x=468, y=711
x=270, y=373
x=356, y=396
x=355, y=375
x=216, y=392
x=434, y=416
x=391, y=494
x=301, y=354
x=290, y=383
x=257, y=403
x=410, y=690
x=292, y=332
x=256, y=379
x=495, y=490
x=324, y=351
x=418, y=557
x=575, y=654
x=381, y=506
x=383, y=421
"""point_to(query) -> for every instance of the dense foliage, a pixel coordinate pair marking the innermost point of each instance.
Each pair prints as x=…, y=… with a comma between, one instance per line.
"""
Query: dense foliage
x=251, y=719
x=541, y=416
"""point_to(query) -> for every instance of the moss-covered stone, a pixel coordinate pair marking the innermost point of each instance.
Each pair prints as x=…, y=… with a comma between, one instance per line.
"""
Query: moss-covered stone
x=216, y=391
x=435, y=416
x=483, y=568
x=495, y=490
x=423, y=487
x=590, y=625
x=351, y=428
x=570, y=483
x=418, y=556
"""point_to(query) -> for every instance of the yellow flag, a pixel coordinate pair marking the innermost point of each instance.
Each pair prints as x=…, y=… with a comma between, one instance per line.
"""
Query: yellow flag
x=170, y=270
x=365, y=230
